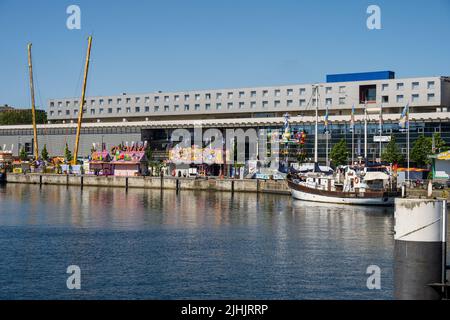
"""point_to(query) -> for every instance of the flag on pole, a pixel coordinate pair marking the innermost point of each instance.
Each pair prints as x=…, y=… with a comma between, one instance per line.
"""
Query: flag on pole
x=352, y=118
x=381, y=119
x=326, y=122
x=404, y=121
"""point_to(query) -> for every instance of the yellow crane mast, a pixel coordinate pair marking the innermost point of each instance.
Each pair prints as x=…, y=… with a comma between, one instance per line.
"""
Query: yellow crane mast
x=33, y=109
x=83, y=96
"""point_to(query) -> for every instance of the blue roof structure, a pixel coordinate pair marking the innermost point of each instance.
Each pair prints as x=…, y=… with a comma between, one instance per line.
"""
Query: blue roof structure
x=362, y=76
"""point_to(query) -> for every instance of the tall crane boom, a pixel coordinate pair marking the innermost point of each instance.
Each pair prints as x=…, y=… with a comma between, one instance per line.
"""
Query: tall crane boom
x=33, y=109
x=83, y=95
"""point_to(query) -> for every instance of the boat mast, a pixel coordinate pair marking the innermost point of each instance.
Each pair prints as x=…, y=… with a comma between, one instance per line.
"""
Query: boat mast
x=33, y=109
x=83, y=94
x=381, y=128
x=316, y=130
x=352, y=120
x=326, y=137
x=326, y=153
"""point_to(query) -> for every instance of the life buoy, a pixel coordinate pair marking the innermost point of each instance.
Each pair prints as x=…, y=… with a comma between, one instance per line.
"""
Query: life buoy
x=356, y=180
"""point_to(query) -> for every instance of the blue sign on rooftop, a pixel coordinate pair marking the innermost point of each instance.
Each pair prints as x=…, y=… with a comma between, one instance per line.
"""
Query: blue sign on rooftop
x=362, y=76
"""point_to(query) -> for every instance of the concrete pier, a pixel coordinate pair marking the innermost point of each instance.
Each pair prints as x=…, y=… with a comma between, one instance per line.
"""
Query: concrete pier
x=420, y=248
x=165, y=183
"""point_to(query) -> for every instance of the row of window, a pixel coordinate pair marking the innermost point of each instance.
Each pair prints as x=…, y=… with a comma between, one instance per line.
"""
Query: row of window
x=415, y=98
x=186, y=107
x=70, y=131
x=230, y=95
x=415, y=85
x=336, y=128
x=241, y=105
x=187, y=97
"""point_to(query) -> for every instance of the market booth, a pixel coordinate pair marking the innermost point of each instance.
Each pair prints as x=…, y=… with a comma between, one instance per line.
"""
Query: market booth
x=21, y=166
x=129, y=163
x=196, y=161
x=6, y=157
x=441, y=165
x=100, y=163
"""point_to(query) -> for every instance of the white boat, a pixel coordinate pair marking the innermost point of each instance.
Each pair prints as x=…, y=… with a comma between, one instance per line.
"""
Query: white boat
x=354, y=189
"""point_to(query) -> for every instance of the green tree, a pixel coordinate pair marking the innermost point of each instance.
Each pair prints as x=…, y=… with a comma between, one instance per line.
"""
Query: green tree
x=149, y=154
x=67, y=154
x=44, y=153
x=152, y=163
x=392, y=153
x=339, y=153
x=421, y=150
x=301, y=154
x=19, y=117
x=23, y=154
x=439, y=144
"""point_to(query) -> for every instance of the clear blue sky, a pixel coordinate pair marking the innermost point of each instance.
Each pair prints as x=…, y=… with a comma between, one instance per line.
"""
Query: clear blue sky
x=144, y=46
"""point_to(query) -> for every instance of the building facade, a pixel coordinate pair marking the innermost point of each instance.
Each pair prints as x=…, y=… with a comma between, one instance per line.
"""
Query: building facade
x=128, y=118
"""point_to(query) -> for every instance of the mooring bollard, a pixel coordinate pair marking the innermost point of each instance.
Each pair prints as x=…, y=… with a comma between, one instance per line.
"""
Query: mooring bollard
x=420, y=248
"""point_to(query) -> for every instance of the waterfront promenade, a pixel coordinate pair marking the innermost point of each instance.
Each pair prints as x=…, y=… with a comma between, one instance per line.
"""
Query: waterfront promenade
x=178, y=183
x=169, y=183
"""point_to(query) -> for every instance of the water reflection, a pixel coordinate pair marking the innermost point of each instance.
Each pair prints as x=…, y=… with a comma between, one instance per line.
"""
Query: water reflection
x=136, y=208
x=152, y=244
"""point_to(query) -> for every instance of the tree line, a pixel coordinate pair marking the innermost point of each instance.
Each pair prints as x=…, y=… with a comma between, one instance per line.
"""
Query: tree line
x=21, y=117
x=422, y=147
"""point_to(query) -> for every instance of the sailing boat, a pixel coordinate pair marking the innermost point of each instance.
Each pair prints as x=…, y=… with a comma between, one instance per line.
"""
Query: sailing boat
x=348, y=185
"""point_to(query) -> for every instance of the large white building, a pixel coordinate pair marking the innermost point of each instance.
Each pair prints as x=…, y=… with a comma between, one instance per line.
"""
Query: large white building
x=338, y=95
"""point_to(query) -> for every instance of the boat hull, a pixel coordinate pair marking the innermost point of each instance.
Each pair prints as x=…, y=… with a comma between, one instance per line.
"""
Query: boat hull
x=350, y=198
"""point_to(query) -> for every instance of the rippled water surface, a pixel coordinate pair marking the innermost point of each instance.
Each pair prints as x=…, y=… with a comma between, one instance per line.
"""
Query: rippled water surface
x=147, y=244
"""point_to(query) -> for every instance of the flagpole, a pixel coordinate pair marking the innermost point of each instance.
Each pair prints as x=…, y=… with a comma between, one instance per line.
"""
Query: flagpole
x=365, y=132
x=407, y=139
x=381, y=108
x=316, y=131
x=353, y=144
x=326, y=137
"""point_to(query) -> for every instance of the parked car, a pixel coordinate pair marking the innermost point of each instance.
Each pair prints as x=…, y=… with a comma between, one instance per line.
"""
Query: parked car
x=438, y=185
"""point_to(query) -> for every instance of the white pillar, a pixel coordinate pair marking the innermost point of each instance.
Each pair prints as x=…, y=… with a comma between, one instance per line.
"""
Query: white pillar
x=419, y=250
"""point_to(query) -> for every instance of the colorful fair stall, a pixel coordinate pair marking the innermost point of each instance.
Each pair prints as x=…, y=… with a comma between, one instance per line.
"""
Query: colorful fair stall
x=21, y=166
x=196, y=155
x=129, y=163
x=193, y=161
x=6, y=157
x=100, y=163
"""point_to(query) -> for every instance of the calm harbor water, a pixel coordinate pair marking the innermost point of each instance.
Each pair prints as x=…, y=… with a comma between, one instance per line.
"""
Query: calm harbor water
x=147, y=244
